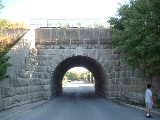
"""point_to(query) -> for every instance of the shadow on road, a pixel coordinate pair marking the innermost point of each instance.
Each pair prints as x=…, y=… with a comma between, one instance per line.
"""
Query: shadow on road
x=79, y=102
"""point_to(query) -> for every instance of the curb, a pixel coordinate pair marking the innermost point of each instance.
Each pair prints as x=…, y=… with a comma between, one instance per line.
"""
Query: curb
x=23, y=109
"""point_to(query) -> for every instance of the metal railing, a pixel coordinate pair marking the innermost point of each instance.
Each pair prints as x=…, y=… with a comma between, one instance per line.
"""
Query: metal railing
x=36, y=23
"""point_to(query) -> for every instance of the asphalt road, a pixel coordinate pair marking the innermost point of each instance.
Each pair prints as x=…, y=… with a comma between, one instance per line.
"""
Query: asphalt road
x=79, y=103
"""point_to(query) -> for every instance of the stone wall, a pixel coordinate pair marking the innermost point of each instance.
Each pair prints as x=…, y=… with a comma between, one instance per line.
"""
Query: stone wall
x=20, y=88
x=31, y=75
x=56, y=45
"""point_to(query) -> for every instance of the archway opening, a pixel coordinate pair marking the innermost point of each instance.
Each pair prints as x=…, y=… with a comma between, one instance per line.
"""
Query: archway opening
x=78, y=61
x=78, y=81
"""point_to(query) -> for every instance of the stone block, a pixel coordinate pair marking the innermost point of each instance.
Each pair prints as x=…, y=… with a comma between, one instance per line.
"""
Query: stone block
x=21, y=90
x=21, y=82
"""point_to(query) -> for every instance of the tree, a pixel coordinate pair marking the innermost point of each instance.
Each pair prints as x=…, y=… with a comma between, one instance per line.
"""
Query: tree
x=3, y=63
x=136, y=34
x=1, y=5
x=3, y=58
x=72, y=76
x=3, y=23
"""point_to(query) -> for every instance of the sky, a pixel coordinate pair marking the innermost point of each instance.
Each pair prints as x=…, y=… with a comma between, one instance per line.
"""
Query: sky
x=78, y=69
x=27, y=10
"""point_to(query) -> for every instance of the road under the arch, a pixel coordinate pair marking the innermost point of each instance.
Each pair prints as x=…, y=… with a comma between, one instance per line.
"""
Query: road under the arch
x=79, y=88
x=82, y=106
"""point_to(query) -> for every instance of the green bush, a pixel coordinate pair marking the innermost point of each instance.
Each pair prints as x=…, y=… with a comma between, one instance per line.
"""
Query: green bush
x=3, y=63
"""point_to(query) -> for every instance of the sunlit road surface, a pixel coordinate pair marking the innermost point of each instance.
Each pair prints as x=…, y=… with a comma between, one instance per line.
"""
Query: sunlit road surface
x=78, y=88
x=79, y=103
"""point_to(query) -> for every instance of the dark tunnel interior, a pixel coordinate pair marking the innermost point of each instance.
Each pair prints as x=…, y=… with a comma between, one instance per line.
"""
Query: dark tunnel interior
x=78, y=61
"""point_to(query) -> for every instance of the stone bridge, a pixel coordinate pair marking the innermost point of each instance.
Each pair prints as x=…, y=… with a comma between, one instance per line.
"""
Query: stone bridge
x=38, y=68
x=61, y=49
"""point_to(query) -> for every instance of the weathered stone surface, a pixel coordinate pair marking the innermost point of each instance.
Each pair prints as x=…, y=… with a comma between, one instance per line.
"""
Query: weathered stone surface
x=32, y=76
x=88, y=42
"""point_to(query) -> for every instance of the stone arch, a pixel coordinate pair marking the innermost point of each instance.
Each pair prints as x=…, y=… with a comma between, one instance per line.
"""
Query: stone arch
x=78, y=61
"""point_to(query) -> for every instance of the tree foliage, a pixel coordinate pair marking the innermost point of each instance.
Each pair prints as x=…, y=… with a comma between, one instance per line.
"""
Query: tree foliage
x=1, y=5
x=3, y=58
x=136, y=34
x=72, y=76
x=3, y=63
x=8, y=25
x=6, y=41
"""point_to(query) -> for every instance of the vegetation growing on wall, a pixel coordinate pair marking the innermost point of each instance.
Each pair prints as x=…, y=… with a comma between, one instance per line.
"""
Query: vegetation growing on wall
x=9, y=33
x=136, y=34
x=3, y=63
x=7, y=25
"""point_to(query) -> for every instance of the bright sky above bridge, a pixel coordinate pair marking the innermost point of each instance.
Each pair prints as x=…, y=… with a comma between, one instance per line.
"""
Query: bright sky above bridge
x=24, y=10
x=78, y=69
